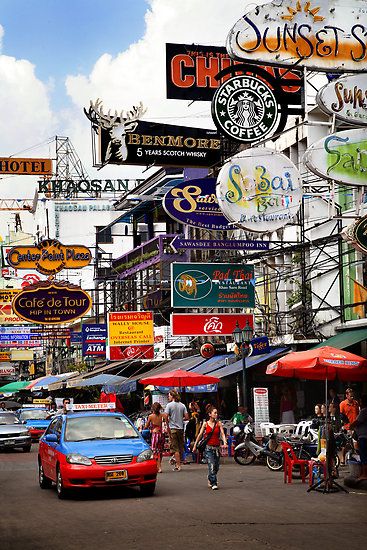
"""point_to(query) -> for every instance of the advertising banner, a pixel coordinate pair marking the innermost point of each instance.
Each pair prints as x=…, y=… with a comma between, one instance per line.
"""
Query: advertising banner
x=192, y=74
x=7, y=314
x=94, y=339
x=261, y=407
x=259, y=190
x=327, y=36
x=21, y=355
x=52, y=302
x=195, y=203
x=7, y=370
x=259, y=346
x=25, y=167
x=212, y=285
x=346, y=98
x=128, y=328
x=119, y=353
x=207, y=324
x=341, y=157
x=49, y=257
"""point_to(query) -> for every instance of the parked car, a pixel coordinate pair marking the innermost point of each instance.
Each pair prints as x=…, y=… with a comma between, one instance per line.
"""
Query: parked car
x=13, y=434
x=36, y=420
x=95, y=449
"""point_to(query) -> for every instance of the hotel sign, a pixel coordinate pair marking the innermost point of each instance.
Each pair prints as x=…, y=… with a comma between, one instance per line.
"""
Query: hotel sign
x=327, y=35
x=341, y=157
x=212, y=285
x=49, y=257
x=51, y=303
x=25, y=167
x=259, y=190
x=346, y=98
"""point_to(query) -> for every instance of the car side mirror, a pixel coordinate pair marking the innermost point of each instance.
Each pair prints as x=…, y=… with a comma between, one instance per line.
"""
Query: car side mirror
x=51, y=438
x=145, y=434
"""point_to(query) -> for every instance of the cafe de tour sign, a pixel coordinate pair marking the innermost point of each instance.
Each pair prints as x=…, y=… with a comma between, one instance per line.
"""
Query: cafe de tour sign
x=346, y=98
x=49, y=257
x=325, y=35
x=259, y=190
x=52, y=303
x=341, y=157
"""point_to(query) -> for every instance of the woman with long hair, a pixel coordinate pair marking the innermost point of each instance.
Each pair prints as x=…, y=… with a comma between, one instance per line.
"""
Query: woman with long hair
x=212, y=429
x=154, y=423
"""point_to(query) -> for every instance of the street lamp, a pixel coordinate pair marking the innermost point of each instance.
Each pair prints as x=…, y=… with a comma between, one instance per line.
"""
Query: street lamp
x=242, y=337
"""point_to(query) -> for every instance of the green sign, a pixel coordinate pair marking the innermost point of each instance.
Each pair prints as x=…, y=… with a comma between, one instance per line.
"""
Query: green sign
x=212, y=285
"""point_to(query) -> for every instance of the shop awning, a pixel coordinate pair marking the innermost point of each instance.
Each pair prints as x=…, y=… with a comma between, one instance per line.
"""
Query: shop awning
x=250, y=362
x=344, y=339
x=210, y=365
x=102, y=379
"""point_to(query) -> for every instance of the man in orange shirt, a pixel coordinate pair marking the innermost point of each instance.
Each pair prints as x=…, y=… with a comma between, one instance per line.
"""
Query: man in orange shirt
x=349, y=407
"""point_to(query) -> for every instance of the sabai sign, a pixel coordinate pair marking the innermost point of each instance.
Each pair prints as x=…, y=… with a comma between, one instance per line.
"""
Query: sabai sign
x=346, y=98
x=329, y=35
x=259, y=190
x=49, y=257
x=341, y=157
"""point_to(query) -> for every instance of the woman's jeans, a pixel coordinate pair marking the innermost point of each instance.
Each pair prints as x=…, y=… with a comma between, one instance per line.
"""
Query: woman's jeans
x=212, y=455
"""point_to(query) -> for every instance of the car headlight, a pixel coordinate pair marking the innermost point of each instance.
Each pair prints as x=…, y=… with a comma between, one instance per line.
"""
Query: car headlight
x=76, y=458
x=145, y=455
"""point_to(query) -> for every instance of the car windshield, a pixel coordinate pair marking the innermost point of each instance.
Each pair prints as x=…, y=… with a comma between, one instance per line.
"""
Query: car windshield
x=34, y=414
x=98, y=427
x=8, y=418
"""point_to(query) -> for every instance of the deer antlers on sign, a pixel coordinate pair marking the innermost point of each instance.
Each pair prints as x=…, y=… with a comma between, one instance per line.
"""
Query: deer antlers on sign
x=117, y=124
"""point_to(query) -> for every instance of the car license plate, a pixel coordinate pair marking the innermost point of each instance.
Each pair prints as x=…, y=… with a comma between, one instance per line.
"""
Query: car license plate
x=9, y=442
x=116, y=475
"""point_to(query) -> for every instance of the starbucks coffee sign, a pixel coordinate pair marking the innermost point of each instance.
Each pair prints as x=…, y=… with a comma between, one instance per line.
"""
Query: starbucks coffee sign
x=245, y=109
x=259, y=190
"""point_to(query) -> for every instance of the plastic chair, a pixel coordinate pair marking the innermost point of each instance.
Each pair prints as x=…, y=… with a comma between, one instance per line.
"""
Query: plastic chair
x=291, y=460
x=319, y=466
x=267, y=428
x=302, y=428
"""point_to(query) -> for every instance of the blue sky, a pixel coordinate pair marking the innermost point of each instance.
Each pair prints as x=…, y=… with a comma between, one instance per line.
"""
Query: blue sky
x=62, y=37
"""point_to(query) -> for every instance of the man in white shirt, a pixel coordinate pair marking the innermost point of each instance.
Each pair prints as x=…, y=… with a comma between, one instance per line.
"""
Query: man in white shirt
x=177, y=414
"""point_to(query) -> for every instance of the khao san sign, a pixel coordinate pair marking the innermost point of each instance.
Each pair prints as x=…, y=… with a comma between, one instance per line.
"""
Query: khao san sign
x=341, y=157
x=259, y=190
x=325, y=35
x=346, y=98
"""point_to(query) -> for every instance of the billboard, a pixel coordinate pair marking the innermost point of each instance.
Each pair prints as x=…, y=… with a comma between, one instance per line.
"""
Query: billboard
x=94, y=339
x=208, y=324
x=130, y=335
x=346, y=98
x=327, y=36
x=212, y=285
x=25, y=167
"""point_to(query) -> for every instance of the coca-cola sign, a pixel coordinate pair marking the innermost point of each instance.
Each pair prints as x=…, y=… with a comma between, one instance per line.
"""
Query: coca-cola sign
x=118, y=353
x=208, y=324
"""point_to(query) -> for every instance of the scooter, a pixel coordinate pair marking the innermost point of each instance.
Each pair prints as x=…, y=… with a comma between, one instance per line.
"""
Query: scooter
x=247, y=449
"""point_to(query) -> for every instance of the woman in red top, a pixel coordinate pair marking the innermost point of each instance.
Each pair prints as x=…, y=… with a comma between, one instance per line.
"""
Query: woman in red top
x=213, y=429
x=154, y=422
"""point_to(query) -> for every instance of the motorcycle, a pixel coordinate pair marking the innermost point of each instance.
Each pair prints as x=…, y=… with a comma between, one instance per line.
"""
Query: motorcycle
x=247, y=449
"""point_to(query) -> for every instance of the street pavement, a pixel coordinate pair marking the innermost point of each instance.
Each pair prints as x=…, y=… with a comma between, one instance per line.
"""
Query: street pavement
x=252, y=509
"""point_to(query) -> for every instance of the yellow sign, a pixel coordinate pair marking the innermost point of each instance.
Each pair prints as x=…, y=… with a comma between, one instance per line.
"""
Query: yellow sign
x=21, y=355
x=130, y=328
x=7, y=315
x=41, y=401
x=4, y=356
x=49, y=257
x=29, y=167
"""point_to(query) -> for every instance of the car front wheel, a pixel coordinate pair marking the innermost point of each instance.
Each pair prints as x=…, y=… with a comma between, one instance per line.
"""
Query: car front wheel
x=44, y=482
x=147, y=490
x=60, y=489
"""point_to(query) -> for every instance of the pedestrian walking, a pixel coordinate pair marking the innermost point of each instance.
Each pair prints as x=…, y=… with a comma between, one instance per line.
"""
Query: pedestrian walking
x=177, y=414
x=155, y=424
x=360, y=426
x=213, y=432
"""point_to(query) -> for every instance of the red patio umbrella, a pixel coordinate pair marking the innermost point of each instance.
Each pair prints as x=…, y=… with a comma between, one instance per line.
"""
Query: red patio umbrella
x=179, y=379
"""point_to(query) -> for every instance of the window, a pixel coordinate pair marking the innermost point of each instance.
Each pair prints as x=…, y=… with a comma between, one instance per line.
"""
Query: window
x=104, y=235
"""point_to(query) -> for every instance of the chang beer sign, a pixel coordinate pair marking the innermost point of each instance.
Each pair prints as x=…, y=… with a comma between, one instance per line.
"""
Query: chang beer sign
x=325, y=35
x=346, y=98
x=259, y=190
x=341, y=157
x=49, y=257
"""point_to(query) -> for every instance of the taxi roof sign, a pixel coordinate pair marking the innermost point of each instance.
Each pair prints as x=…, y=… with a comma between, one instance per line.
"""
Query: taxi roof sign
x=91, y=407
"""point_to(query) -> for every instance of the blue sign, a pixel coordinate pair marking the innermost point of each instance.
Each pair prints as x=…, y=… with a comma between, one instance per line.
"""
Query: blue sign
x=202, y=244
x=94, y=340
x=195, y=203
x=76, y=337
x=259, y=346
x=203, y=388
x=9, y=337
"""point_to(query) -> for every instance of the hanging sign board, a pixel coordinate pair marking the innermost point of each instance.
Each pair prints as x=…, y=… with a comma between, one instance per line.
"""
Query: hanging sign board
x=7, y=315
x=326, y=36
x=25, y=167
x=207, y=324
x=49, y=257
x=52, y=303
x=341, y=157
x=245, y=109
x=120, y=353
x=195, y=203
x=127, y=328
x=212, y=285
x=259, y=190
x=346, y=98
x=94, y=339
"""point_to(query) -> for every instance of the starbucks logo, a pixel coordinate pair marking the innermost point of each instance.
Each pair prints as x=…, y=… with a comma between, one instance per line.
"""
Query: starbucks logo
x=245, y=108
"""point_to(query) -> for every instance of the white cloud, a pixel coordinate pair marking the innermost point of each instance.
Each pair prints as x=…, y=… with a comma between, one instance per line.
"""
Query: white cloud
x=1, y=37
